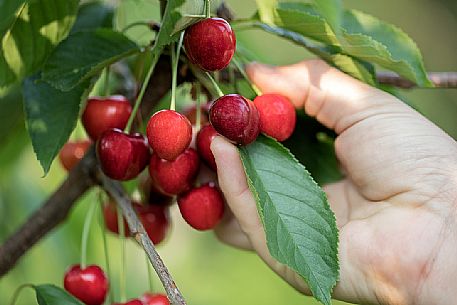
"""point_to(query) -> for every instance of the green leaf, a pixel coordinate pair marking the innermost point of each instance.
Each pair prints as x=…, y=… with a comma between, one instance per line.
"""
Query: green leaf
x=359, y=69
x=95, y=50
x=8, y=11
x=188, y=12
x=30, y=36
x=368, y=38
x=92, y=15
x=48, y=294
x=299, y=224
x=332, y=10
x=51, y=116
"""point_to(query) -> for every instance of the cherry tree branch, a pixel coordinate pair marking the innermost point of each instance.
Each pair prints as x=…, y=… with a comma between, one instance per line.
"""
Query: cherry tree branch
x=117, y=193
x=439, y=79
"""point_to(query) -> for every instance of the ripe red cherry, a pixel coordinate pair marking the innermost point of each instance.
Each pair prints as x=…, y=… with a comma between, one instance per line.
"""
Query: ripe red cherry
x=174, y=177
x=130, y=302
x=154, y=299
x=72, y=152
x=103, y=113
x=191, y=114
x=154, y=219
x=210, y=43
x=169, y=134
x=236, y=118
x=122, y=156
x=89, y=285
x=204, y=138
x=202, y=207
x=277, y=116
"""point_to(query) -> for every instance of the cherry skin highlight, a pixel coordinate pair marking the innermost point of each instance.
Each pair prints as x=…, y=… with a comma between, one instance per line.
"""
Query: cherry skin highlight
x=103, y=113
x=277, y=116
x=72, y=152
x=89, y=285
x=154, y=299
x=204, y=138
x=169, y=134
x=202, y=207
x=236, y=118
x=210, y=43
x=174, y=177
x=122, y=156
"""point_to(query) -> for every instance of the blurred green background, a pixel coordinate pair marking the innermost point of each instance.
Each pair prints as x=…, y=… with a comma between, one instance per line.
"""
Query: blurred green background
x=206, y=271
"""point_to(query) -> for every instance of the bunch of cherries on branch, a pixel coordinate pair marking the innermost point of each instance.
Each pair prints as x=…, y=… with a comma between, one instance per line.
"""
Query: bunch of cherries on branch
x=166, y=149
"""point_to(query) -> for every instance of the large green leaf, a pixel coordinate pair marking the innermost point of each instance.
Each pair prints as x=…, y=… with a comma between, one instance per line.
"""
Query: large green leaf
x=8, y=11
x=95, y=50
x=29, y=37
x=92, y=15
x=332, y=10
x=48, y=294
x=299, y=224
x=51, y=116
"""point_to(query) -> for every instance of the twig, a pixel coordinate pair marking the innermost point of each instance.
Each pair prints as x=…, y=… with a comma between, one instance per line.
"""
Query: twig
x=117, y=193
x=439, y=79
x=53, y=212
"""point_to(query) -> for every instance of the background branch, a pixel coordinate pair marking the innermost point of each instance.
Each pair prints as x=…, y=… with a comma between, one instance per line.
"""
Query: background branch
x=439, y=79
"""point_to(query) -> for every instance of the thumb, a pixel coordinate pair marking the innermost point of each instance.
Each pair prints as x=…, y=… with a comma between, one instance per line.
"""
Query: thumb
x=336, y=100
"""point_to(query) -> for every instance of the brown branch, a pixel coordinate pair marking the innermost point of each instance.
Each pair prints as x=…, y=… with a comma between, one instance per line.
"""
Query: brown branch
x=439, y=79
x=117, y=193
x=48, y=216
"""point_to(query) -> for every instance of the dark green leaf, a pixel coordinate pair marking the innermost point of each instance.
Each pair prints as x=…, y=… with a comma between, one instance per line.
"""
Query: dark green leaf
x=93, y=15
x=52, y=295
x=95, y=49
x=32, y=34
x=51, y=116
x=8, y=11
x=299, y=224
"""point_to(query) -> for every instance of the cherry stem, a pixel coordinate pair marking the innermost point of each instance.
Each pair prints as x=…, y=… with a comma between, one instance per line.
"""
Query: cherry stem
x=102, y=224
x=215, y=85
x=155, y=58
x=198, y=119
x=245, y=76
x=208, y=8
x=148, y=266
x=120, y=228
x=174, y=71
x=133, y=24
x=18, y=291
x=85, y=236
x=106, y=93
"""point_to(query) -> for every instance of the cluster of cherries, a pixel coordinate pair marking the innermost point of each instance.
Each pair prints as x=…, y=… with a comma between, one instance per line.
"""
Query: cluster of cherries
x=173, y=164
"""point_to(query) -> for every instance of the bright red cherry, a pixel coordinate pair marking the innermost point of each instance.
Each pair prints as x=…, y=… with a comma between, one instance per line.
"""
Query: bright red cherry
x=154, y=219
x=174, y=177
x=236, y=118
x=210, y=43
x=130, y=302
x=89, y=285
x=169, y=134
x=202, y=207
x=103, y=113
x=204, y=138
x=277, y=116
x=154, y=299
x=122, y=156
x=72, y=152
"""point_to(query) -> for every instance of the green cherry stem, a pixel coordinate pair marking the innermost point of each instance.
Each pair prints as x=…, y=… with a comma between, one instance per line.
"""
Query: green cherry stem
x=106, y=93
x=133, y=24
x=208, y=8
x=102, y=224
x=215, y=85
x=198, y=119
x=18, y=291
x=122, y=279
x=150, y=277
x=86, y=229
x=155, y=58
x=174, y=71
x=245, y=76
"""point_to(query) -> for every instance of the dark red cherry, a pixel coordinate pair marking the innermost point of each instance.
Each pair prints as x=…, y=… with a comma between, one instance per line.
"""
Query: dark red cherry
x=154, y=299
x=169, y=134
x=103, y=113
x=130, y=302
x=122, y=156
x=110, y=216
x=210, y=43
x=204, y=138
x=191, y=114
x=174, y=177
x=152, y=194
x=277, y=116
x=89, y=285
x=236, y=118
x=202, y=207
x=72, y=152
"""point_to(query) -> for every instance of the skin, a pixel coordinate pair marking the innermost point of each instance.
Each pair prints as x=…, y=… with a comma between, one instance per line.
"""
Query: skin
x=396, y=209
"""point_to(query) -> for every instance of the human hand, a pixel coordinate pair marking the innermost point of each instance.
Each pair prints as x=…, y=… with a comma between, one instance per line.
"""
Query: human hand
x=396, y=209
